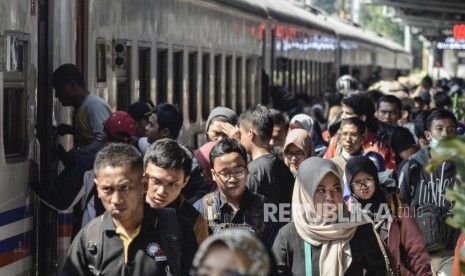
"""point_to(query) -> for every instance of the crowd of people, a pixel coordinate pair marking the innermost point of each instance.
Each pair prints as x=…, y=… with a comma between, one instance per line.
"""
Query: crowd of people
x=336, y=188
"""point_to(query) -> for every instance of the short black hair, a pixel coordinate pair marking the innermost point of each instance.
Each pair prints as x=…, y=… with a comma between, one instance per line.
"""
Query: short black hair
x=442, y=100
x=170, y=117
x=279, y=117
x=359, y=123
x=226, y=146
x=118, y=155
x=361, y=104
x=392, y=100
x=67, y=74
x=420, y=123
x=168, y=154
x=438, y=114
x=260, y=119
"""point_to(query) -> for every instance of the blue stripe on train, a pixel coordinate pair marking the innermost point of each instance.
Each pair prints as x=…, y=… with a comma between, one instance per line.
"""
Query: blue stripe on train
x=15, y=215
x=16, y=242
x=65, y=218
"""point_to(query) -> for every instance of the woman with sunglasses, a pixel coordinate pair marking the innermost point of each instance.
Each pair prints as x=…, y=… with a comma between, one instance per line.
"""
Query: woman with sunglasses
x=397, y=228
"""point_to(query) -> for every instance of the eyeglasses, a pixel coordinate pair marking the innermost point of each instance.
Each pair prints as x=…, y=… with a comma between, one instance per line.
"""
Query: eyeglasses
x=298, y=154
x=226, y=175
x=360, y=183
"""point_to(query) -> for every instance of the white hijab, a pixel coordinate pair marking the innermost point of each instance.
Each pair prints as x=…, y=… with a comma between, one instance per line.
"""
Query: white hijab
x=335, y=255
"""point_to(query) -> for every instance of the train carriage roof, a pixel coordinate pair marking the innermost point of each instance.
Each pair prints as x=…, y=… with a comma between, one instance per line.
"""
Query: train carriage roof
x=252, y=6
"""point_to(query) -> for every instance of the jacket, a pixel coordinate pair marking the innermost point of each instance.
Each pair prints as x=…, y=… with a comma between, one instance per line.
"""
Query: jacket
x=288, y=249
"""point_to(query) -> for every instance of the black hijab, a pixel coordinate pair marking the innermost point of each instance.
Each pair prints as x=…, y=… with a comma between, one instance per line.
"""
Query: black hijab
x=364, y=164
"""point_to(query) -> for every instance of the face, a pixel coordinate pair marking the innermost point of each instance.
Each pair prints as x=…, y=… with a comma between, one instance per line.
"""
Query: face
x=215, y=131
x=350, y=139
x=141, y=127
x=388, y=113
x=363, y=185
x=164, y=185
x=64, y=94
x=441, y=129
x=153, y=129
x=328, y=195
x=230, y=173
x=218, y=260
x=121, y=191
x=347, y=112
x=278, y=138
x=293, y=156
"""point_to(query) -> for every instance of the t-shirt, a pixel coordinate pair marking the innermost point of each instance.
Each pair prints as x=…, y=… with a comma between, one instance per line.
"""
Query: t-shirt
x=270, y=177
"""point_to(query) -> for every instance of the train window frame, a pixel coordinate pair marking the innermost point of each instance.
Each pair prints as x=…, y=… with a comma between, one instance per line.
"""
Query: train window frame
x=217, y=78
x=206, y=72
x=161, y=94
x=123, y=76
x=177, y=76
x=144, y=70
x=249, y=79
x=228, y=63
x=14, y=63
x=239, y=64
x=100, y=61
x=192, y=84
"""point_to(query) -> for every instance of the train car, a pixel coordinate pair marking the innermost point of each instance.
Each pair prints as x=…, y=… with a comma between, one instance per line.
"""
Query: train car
x=197, y=54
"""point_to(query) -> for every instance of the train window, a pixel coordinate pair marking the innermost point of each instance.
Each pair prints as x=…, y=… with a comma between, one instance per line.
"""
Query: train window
x=302, y=77
x=249, y=95
x=178, y=78
x=144, y=73
x=100, y=62
x=239, y=85
x=306, y=77
x=162, y=76
x=217, y=85
x=229, y=81
x=122, y=81
x=193, y=86
x=205, y=85
x=289, y=73
x=296, y=76
x=15, y=98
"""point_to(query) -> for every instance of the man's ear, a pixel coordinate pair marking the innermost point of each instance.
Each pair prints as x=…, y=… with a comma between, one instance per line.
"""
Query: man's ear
x=214, y=175
x=186, y=179
x=427, y=135
x=251, y=134
x=165, y=133
x=363, y=117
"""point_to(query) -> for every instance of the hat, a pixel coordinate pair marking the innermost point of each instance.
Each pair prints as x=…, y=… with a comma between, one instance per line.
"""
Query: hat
x=222, y=111
x=140, y=110
x=120, y=126
x=402, y=139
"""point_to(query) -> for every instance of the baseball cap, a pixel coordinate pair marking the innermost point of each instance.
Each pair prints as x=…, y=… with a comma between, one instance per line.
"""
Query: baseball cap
x=120, y=127
x=140, y=110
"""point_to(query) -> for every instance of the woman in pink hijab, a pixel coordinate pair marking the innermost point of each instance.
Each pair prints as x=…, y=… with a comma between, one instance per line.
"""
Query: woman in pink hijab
x=297, y=147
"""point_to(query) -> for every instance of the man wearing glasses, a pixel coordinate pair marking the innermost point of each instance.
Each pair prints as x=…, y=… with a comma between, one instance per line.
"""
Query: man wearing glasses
x=234, y=205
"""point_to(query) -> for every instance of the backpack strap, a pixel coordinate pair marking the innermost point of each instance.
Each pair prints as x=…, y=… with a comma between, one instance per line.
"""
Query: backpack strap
x=209, y=208
x=93, y=242
x=395, y=204
x=170, y=234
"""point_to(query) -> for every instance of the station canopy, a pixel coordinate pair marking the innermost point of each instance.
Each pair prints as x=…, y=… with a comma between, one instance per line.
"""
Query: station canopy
x=434, y=19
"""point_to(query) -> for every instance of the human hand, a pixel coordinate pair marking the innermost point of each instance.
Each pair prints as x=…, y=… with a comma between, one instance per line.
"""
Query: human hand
x=231, y=131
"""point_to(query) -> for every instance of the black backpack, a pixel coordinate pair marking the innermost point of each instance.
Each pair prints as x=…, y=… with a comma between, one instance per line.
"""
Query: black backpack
x=430, y=218
x=170, y=235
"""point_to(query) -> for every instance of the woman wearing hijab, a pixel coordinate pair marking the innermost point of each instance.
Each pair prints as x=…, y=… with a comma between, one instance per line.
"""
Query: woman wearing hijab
x=399, y=231
x=318, y=242
x=297, y=147
x=231, y=252
x=306, y=122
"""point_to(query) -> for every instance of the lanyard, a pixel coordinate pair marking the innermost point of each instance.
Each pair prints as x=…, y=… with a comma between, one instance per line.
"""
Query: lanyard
x=308, y=259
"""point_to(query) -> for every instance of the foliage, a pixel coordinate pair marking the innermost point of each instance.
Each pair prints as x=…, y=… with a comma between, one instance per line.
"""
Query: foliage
x=374, y=19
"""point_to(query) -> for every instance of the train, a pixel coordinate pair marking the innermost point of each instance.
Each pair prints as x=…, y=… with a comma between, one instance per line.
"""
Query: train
x=197, y=54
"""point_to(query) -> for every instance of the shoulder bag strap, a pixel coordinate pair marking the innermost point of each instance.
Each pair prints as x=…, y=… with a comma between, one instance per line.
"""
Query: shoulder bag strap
x=308, y=259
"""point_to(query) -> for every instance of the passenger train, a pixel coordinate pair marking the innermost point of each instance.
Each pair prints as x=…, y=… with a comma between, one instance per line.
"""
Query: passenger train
x=196, y=53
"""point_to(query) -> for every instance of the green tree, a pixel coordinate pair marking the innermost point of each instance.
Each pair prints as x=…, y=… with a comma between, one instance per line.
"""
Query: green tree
x=373, y=18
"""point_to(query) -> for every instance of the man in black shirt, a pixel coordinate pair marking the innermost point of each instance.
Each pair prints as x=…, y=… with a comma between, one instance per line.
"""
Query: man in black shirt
x=130, y=238
x=269, y=175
